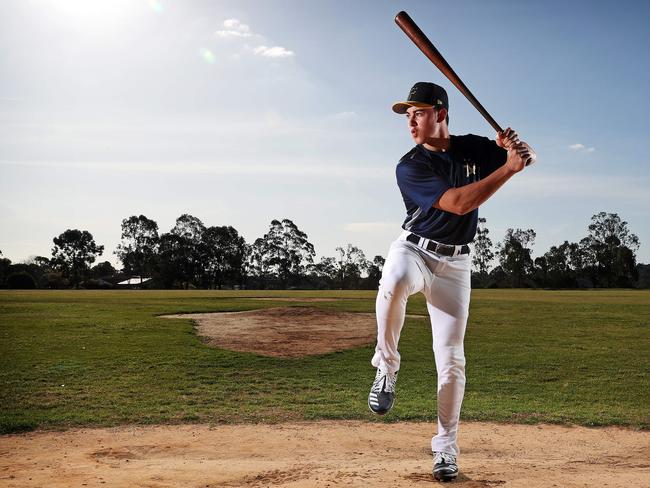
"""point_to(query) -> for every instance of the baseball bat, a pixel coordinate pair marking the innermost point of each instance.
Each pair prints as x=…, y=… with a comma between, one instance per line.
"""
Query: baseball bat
x=418, y=37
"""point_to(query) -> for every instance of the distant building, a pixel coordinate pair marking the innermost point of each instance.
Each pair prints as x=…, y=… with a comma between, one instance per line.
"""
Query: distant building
x=133, y=282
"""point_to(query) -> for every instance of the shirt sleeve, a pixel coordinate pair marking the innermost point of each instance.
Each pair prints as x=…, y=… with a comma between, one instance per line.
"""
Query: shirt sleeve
x=493, y=157
x=420, y=184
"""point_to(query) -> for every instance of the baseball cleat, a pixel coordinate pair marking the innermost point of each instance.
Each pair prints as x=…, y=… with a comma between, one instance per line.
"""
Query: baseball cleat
x=444, y=466
x=382, y=394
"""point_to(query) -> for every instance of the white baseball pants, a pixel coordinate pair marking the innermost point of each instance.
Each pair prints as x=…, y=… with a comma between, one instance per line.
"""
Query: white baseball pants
x=445, y=282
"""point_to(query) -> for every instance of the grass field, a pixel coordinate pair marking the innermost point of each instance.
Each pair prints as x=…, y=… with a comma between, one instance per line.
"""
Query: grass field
x=71, y=358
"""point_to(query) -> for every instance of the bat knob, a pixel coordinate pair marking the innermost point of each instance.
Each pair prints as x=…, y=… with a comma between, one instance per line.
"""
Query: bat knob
x=531, y=159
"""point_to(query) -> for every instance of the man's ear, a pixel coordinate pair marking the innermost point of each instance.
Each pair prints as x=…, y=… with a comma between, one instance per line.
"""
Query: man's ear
x=442, y=115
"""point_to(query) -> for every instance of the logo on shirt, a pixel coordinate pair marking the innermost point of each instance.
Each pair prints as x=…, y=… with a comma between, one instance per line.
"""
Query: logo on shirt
x=470, y=169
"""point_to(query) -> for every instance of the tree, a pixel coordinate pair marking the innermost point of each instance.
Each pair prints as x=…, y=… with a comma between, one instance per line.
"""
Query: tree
x=498, y=278
x=258, y=264
x=483, y=255
x=609, y=251
x=21, y=281
x=374, y=272
x=189, y=227
x=515, y=255
x=102, y=270
x=73, y=253
x=352, y=264
x=558, y=268
x=38, y=267
x=4, y=269
x=186, y=248
x=48, y=274
x=174, y=264
x=540, y=271
x=42, y=262
x=625, y=272
x=608, y=228
x=139, y=245
x=224, y=255
x=284, y=251
x=324, y=272
x=644, y=275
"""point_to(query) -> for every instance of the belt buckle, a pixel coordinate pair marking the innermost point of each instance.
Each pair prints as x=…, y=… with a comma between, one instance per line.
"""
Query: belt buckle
x=437, y=247
x=448, y=250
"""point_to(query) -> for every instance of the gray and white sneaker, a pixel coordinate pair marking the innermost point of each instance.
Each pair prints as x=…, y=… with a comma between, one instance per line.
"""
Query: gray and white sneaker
x=444, y=466
x=382, y=394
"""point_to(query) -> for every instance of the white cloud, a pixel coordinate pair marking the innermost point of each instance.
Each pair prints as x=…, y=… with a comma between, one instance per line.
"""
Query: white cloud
x=273, y=52
x=234, y=28
x=581, y=148
x=235, y=24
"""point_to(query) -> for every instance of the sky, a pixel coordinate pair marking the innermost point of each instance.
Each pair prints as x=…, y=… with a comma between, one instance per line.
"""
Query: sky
x=240, y=112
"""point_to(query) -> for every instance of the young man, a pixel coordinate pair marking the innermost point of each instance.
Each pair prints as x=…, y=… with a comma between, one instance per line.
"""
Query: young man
x=443, y=180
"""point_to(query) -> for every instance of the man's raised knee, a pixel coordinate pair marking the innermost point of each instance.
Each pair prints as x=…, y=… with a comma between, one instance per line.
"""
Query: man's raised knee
x=397, y=283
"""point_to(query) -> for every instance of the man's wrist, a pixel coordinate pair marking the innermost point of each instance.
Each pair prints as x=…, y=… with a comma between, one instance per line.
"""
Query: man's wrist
x=507, y=170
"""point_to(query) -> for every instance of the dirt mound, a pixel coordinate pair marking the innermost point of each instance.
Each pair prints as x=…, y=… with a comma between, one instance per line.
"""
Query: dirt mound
x=286, y=332
x=299, y=299
x=322, y=454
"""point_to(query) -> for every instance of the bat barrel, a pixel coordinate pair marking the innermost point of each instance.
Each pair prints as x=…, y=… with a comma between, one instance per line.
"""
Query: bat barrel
x=410, y=28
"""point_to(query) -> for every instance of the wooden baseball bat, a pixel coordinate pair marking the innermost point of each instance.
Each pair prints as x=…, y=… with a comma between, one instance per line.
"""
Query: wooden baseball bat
x=411, y=29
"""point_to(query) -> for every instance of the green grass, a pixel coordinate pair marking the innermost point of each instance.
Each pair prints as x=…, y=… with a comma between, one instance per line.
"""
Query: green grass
x=73, y=358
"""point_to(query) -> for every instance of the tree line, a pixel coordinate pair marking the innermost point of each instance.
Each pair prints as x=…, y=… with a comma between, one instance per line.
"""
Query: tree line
x=604, y=258
x=192, y=255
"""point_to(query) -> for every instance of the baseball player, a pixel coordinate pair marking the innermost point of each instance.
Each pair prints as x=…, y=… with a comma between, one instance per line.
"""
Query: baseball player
x=443, y=180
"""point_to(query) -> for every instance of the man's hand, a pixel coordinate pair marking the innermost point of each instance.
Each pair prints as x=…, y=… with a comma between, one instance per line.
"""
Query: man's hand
x=507, y=138
x=520, y=154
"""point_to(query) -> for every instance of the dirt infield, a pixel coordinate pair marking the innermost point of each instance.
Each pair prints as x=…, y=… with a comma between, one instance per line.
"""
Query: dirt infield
x=300, y=299
x=323, y=454
x=287, y=332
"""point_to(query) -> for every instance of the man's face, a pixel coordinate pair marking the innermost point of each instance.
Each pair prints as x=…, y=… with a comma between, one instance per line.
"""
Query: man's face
x=423, y=123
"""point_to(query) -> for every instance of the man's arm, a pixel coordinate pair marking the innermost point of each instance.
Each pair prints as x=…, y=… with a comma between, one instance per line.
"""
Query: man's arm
x=463, y=200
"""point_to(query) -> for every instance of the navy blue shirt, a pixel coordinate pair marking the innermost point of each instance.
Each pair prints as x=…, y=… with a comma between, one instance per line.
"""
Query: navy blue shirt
x=423, y=176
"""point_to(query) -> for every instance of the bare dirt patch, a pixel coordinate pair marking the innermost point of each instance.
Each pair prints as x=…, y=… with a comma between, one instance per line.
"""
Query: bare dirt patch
x=301, y=299
x=321, y=454
x=286, y=332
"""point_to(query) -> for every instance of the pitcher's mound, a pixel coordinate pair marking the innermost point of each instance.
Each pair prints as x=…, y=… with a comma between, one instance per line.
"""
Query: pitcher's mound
x=286, y=332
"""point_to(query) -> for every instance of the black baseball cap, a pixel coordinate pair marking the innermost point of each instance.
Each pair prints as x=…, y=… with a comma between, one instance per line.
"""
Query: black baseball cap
x=423, y=95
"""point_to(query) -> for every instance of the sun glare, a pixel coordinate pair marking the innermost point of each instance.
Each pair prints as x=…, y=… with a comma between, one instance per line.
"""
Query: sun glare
x=207, y=55
x=101, y=12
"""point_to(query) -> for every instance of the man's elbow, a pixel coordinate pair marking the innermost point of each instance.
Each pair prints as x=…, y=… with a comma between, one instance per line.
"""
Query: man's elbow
x=454, y=204
x=463, y=209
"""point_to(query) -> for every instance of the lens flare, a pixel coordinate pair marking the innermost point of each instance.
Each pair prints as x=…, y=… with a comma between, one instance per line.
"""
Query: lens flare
x=207, y=55
x=156, y=6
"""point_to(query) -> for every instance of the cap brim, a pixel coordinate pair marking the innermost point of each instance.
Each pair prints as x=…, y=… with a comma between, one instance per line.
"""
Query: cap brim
x=402, y=107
